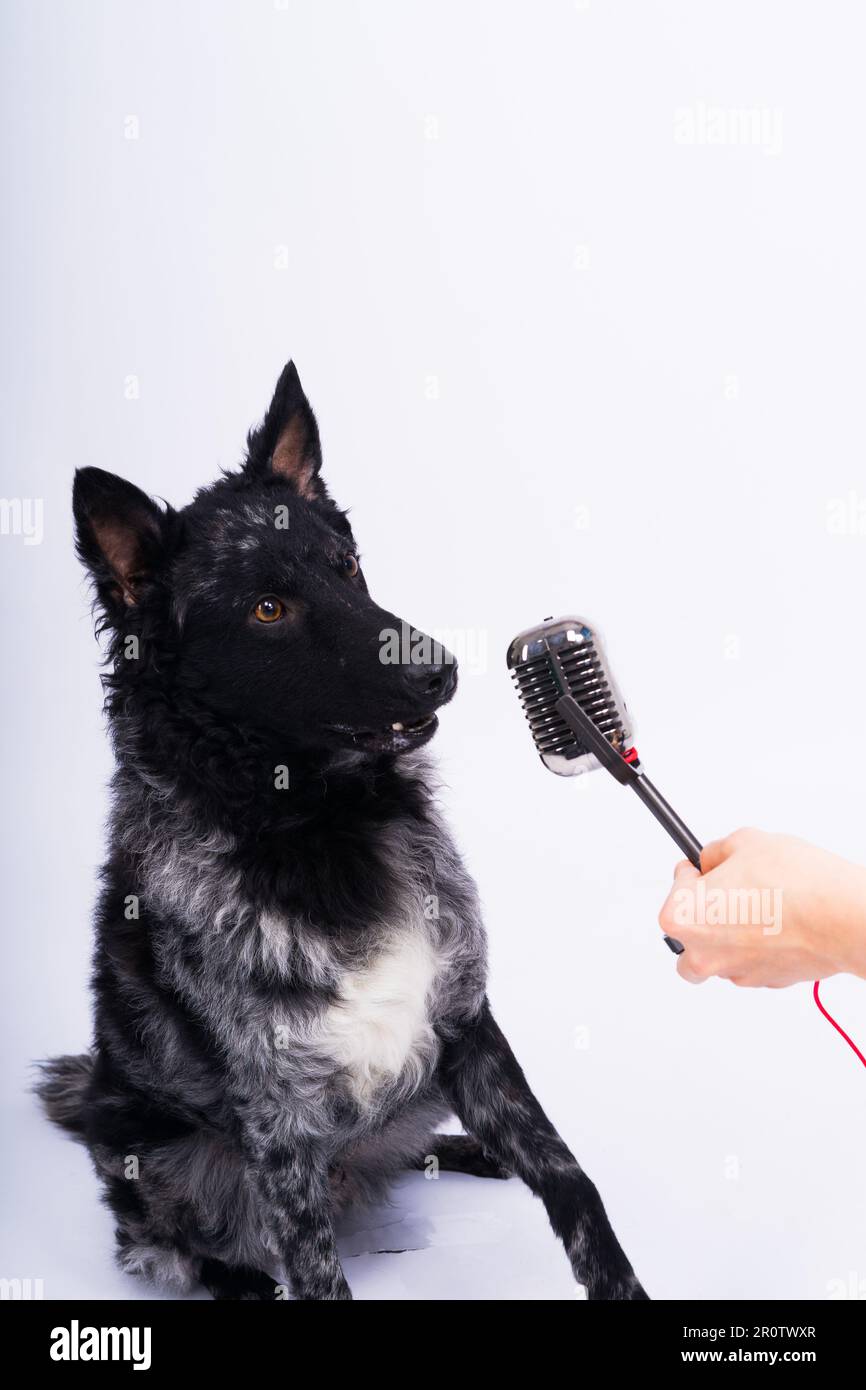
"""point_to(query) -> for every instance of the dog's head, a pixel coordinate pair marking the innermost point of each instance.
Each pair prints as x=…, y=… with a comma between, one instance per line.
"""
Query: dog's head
x=252, y=602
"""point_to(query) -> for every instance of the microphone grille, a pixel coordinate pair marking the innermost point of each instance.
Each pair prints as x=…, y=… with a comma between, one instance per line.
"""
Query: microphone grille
x=565, y=656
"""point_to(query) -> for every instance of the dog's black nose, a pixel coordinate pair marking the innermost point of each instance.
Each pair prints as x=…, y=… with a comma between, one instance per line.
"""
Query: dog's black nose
x=431, y=681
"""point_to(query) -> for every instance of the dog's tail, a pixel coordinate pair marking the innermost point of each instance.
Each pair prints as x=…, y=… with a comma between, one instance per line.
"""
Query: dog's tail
x=62, y=1087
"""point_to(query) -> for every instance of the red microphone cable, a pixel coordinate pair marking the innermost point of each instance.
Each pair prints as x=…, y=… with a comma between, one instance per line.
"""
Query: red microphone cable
x=830, y=1019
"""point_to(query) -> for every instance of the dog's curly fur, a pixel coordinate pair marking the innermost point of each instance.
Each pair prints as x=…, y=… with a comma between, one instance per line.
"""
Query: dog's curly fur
x=290, y=961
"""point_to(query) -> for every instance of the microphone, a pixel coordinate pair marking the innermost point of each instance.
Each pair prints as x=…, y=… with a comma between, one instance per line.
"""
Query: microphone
x=579, y=720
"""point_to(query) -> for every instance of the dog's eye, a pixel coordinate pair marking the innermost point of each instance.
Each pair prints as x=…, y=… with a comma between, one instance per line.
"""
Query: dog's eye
x=269, y=609
x=350, y=564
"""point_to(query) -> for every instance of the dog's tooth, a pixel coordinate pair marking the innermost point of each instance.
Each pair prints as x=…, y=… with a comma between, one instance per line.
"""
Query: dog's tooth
x=398, y=728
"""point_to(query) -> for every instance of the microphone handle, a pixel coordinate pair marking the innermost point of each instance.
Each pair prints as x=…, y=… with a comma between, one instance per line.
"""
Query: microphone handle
x=676, y=828
x=625, y=772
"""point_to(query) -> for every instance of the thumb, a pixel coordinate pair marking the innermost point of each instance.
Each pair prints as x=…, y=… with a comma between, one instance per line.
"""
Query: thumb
x=685, y=871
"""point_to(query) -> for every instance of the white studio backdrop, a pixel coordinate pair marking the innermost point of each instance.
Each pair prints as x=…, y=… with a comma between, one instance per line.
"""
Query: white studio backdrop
x=577, y=291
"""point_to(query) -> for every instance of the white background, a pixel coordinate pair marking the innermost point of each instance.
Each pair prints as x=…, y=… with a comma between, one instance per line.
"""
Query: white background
x=563, y=362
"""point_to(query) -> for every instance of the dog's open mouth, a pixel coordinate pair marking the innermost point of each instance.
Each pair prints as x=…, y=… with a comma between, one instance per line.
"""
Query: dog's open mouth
x=398, y=737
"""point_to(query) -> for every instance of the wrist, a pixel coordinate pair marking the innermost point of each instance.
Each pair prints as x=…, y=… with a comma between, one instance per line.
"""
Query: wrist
x=849, y=935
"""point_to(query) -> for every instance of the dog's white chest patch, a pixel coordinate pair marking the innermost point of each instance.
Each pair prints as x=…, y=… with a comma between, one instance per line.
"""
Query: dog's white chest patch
x=380, y=1026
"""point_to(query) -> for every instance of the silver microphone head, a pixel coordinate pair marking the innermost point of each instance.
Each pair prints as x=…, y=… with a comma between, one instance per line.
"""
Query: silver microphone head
x=564, y=656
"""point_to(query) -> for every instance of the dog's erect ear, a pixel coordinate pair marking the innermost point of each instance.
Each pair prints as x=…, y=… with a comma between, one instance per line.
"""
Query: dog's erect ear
x=119, y=534
x=286, y=444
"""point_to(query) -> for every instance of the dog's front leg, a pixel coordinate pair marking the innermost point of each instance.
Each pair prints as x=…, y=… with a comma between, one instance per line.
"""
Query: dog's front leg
x=295, y=1188
x=494, y=1102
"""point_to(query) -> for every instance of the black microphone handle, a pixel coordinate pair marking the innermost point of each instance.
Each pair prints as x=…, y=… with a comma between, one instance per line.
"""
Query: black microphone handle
x=609, y=757
x=676, y=828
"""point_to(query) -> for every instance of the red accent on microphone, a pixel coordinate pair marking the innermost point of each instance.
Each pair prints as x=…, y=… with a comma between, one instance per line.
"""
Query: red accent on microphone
x=631, y=756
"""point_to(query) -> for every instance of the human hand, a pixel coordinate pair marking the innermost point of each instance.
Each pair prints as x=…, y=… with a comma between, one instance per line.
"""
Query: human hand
x=767, y=910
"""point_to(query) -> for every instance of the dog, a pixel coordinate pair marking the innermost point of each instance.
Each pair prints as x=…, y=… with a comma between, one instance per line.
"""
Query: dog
x=289, y=970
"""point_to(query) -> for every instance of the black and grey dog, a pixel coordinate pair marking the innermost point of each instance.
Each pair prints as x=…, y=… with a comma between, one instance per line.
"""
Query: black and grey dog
x=290, y=962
